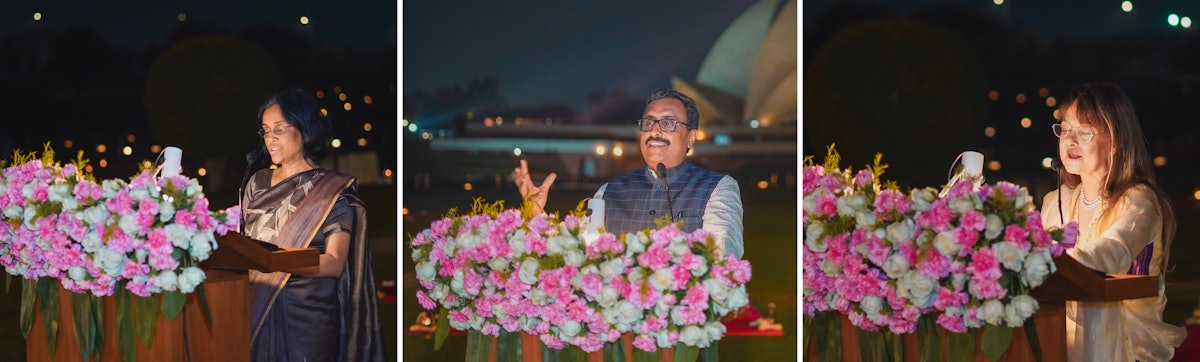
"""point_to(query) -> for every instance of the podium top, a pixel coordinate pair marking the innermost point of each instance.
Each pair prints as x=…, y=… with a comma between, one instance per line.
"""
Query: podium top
x=238, y=252
x=1075, y=282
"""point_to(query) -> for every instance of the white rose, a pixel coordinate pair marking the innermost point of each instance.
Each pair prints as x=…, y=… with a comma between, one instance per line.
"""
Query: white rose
x=529, y=271
x=627, y=313
x=30, y=213
x=864, y=219
x=922, y=198
x=1037, y=267
x=167, y=280
x=850, y=205
x=635, y=243
x=201, y=246
x=872, y=305
x=661, y=279
x=899, y=232
x=179, y=236
x=612, y=268
x=166, y=211
x=498, y=263
x=737, y=299
x=678, y=248
x=812, y=236
x=138, y=194
x=556, y=245
x=830, y=268
x=637, y=273
x=91, y=243
x=456, y=282
x=95, y=215
x=961, y=205
x=1009, y=254
x=77, y=273
x=810, y=203
x=994, y=227
x=922, y=290
x=467, y=241
x=895, y=266
x=717, y=291
x=958, y=280
x=426, y=271
x=692, y=335
x=538, y=297
x=1022, y=199
x=608, y=297
x=1020, y=308
x=715, y=330
x=516, y=242
x=111, y=262
x=111, y=186
x=574, y=257
x=569, y=329
x=190, y=278
x=13, y=211
x=991, y=312
x=945, y=244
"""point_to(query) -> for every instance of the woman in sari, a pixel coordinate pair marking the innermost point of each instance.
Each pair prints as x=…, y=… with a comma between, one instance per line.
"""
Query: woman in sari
x=1126, y=224
x=328, y=313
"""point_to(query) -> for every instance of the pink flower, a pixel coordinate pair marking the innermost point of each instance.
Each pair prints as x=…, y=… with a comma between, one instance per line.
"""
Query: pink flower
x=965, y=238
x=490, y=329
x=863, y=178
x=185, y=219
x=827, y=205
x=643, y=295
x=680, y=275
x=937, y=217
x=697, y=297
x=645, y=343
x=949, y=298
x=120, y=204
x=540, y=224
x=551, y=341
x=535, y=243
x=877, y=252
x=833, y=181
x=1016, y=235
x=655, y=257
x=951, y=323
x=973, y=220
x=934, y=266
x=472, y=281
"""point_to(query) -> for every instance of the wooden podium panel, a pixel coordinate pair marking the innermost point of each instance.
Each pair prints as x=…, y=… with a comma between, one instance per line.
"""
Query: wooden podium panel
x=227, y=340
x=531, y=350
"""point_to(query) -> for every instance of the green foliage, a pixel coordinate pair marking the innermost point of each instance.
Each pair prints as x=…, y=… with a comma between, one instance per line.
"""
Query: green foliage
x=927, y=335
x=28, y=300
x=614, y=352
x=996, y=340
x=828, y=336
x=960, y=346
x=1031, y=334
x=47, y=291
x=126, y=346
x=478, y=346
x=443, y=329
x=508, y=346
x=685, y=353
x=147, y=318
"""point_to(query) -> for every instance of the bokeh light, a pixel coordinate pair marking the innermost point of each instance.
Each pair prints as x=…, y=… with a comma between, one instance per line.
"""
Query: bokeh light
x=101, y=148
x=1127, y=6
x=1173, y=20
x=304, y=20
x=1026, y=122
x=37, y=16
x=1047, y=162
x=336, y=143
x=994, y=165
x=989, y=132
x=1051, y=102
x=993, y=95
x=1020, y=98
x=367, y=126
x=618, y=151
x=1160, y=161
x=600, y=150
x=127, y=150
x=202, y=172
x=467, y=186
x=517, y=151
x=762, y=184
x=362, y=142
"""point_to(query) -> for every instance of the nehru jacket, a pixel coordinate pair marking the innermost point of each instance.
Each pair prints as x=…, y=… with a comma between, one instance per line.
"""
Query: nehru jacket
x=699, y=198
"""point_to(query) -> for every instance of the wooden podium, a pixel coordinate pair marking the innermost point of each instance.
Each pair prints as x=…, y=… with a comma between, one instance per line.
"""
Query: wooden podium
x=226, y=288
x=1071, y=282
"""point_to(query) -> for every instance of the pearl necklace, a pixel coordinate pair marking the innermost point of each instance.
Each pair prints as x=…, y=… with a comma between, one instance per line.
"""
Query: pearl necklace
x=1083, y=201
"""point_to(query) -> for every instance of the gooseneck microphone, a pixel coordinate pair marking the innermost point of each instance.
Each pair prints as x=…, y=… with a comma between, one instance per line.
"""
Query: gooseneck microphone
x=1056, y=165
x=662, y=172
x=251, y=158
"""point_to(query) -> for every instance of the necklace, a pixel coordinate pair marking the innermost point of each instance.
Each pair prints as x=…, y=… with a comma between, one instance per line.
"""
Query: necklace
x=1083, y=201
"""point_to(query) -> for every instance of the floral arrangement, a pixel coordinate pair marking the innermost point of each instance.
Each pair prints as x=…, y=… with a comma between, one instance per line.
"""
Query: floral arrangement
x=498, y=272
x=146, y=236
x=887, y=259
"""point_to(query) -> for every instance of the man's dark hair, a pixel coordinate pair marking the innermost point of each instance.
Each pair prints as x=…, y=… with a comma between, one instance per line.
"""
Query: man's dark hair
x=693, y=114
x=301, y=110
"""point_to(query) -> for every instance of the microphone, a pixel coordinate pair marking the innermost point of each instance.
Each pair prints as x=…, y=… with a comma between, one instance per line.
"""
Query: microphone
x=251, y=158
x=662, y=172
x=1056, y=165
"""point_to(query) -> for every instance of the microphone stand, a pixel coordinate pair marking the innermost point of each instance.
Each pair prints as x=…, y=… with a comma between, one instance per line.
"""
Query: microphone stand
x=251, y=158
x=662, y=172
x=1056, y=165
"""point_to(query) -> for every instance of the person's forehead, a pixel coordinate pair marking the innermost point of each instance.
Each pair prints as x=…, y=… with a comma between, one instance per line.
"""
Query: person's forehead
x=666, y=104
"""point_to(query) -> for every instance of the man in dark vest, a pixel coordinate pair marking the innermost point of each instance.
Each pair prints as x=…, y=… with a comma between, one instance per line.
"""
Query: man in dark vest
x=698, y=198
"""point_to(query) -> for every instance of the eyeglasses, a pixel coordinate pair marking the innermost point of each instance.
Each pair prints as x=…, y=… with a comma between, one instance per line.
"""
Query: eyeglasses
x=1081, y=134
x=278, y=131
x=667, y=124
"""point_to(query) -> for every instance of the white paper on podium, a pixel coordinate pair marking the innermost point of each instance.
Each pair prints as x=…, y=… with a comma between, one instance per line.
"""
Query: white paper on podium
x=593, y=222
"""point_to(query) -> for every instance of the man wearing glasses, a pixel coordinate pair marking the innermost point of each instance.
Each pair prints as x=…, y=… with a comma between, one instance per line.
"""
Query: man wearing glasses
x=698, y=198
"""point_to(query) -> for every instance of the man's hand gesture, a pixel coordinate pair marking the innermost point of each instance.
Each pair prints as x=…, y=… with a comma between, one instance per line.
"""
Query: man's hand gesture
x=533, y=193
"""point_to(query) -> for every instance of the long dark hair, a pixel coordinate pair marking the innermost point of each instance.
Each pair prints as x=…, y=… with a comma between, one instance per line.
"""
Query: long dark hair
x=1105, y=106
x=301, y=110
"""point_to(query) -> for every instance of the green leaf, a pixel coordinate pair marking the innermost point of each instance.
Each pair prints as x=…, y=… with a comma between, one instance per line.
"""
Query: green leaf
x=614, y=352
x=81, y=310
x=443, y=329
x=960, y=346
x=478, y=346
x=995, y=341
x=147, y=318
x=685, y=353
x=126, y=348
x=508, y=346
x=895, y=346
x=204, y=306
x=172, y=304
x=804, y=332
x=1031, y=333
x=640, y=355
x=829, y=336
x=710, y=354
x=28, y=301
x=98, y=317
x=871, y=346
x=47, y=291
x=927, y=336
x=572, y=353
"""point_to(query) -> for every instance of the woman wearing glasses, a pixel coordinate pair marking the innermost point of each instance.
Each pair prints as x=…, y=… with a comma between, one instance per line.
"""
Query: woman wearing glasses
x=1126, y=224
x=328, y=314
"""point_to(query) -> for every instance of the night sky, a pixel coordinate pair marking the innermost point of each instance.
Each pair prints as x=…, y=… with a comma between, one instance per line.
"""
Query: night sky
x=134, y=24
x=557, y=51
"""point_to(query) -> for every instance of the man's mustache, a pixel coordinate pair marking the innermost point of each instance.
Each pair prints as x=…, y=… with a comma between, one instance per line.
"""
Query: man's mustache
x=659, y=139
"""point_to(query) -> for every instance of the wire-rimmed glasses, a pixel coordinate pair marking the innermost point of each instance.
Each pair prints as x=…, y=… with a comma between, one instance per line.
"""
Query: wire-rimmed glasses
x=278, y=131
x=1081, y=134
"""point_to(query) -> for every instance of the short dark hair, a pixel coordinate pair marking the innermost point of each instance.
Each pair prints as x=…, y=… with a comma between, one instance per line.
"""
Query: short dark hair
x=693, y=114
x=301, y=110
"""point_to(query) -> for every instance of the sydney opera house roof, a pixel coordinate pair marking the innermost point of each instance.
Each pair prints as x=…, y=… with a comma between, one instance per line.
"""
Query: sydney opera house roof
x=750, y=74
